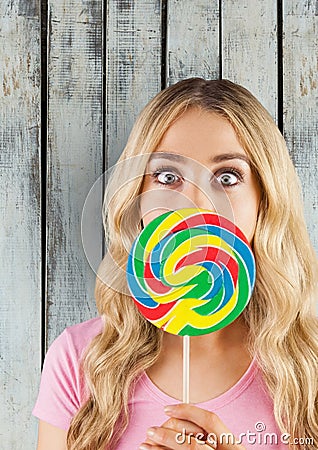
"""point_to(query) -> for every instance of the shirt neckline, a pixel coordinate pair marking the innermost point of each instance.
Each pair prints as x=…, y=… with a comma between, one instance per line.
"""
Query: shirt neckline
x=214, y=403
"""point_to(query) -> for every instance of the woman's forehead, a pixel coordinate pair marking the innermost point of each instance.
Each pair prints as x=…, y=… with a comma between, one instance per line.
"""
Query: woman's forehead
x=205, y=136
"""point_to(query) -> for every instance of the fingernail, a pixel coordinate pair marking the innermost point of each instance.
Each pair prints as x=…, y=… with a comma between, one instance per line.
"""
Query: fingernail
x=168, y=409
x=151, y=432
x=144, y=447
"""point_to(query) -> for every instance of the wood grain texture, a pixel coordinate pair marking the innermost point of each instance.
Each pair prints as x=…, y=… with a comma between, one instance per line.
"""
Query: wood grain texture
x=133, y=55
x=249, y=48
x=300, y=62
x=75, y=155
x=192, y=40
x=20, y=235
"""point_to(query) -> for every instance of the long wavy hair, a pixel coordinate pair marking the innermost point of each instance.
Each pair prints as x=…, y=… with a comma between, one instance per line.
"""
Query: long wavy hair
x=281, y=315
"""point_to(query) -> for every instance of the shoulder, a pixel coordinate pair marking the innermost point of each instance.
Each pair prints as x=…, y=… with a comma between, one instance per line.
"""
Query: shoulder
x=82, y=333
x=61, y=379
x=62, y=387
x=77, y=337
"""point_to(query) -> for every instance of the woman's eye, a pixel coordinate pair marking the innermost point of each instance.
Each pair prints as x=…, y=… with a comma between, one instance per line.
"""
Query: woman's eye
x=228, y=178
x=166, y=177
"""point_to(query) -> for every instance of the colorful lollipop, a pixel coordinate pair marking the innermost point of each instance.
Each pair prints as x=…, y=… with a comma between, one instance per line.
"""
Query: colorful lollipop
x=191, y=272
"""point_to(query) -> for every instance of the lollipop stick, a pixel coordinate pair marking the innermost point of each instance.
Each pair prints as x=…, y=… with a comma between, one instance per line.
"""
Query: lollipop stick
x=186, y=368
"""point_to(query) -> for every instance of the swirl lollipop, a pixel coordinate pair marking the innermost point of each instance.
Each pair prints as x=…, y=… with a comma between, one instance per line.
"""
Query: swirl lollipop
x=191, y=272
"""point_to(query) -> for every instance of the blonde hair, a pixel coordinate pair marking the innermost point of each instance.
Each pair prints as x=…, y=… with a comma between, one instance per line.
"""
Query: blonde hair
x=281, y=315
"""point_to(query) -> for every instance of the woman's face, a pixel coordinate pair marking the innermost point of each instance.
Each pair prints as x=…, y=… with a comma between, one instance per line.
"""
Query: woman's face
x=200, y=163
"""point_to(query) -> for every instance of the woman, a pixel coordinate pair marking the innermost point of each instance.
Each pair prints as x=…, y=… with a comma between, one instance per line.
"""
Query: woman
x=262, y=368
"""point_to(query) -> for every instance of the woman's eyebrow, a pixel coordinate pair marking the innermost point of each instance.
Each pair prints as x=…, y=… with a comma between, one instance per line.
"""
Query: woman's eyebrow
x=215, y=159
x=229, y=156
x=166, y=155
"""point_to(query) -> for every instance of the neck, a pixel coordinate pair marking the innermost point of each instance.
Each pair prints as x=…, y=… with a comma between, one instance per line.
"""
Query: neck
x=210, y=346
x=223, y=355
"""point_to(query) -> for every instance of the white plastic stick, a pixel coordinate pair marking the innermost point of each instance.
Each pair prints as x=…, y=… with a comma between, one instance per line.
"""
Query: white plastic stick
x=186, y=369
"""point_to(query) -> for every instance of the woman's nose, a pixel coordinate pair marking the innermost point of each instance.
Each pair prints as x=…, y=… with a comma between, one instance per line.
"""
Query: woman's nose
x=198, y=197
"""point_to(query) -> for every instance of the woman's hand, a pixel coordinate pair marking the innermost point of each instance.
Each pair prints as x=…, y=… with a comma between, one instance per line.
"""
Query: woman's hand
x=190, y=428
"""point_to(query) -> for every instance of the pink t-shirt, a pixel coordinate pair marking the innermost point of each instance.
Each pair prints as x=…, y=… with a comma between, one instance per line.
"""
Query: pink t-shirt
x=245, y=408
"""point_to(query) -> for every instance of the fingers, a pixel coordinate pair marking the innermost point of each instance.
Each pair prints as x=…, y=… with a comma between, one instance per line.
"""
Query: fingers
x=207, y=420
x=161, y=438
x=191, y=428
x=180, y=426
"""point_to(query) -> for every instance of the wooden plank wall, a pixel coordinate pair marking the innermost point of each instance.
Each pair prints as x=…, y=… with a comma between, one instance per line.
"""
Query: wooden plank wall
x=74, y=155
x=101, y=62
x=20, y=231
x=300, y=99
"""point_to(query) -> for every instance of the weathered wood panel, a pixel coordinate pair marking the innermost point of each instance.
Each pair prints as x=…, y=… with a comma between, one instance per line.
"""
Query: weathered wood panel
x=133, y=55
x=20, y=234
x=249, y=47
x=75, y=155
x=300, y=63
x=192, y=40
